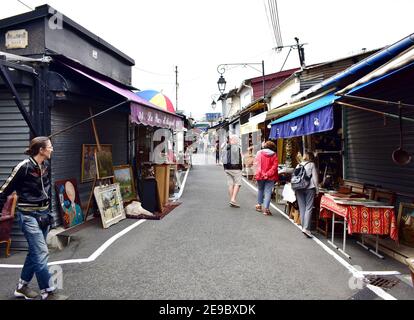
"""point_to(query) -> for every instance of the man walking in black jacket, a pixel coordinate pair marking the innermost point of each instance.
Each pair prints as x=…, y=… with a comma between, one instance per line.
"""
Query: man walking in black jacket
x=31, y=181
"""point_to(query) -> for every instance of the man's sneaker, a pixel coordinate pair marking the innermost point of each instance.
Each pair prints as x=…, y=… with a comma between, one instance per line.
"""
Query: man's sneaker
x=25, y=292
x=55, y=296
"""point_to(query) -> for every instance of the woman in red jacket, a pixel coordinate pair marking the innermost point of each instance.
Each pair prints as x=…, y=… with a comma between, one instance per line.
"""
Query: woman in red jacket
x=266, y=175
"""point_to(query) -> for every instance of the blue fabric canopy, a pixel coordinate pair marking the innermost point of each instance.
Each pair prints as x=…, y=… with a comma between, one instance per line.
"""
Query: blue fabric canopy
x=313, y=118
x=407, y=67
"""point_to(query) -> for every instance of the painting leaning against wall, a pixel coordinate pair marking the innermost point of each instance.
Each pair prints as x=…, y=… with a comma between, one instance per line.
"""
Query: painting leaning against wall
x=123, y=175
x=69, y=202
x=405, y=222
x=110, y=204
x=88, y=169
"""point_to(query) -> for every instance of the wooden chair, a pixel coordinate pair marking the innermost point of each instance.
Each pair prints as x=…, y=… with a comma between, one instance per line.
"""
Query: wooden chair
x=6, y=221
x=370, y=191
x=356, y=187
x=385, y=196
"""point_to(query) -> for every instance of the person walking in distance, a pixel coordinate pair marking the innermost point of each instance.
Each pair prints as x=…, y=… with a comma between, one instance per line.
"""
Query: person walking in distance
x=305, y=197
x=266, y=165
x=31, y=181
x=232, y=164
x=217, y=152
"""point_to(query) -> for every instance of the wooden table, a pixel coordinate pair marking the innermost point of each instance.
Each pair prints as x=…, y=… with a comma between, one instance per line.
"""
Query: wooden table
x=360, y=216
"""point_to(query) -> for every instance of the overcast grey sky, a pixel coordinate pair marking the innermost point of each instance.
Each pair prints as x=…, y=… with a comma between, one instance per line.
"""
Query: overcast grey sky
x=198, y=35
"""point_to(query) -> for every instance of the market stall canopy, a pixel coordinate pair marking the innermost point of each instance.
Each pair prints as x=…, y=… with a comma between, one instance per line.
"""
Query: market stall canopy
x=142, y=111
x=258, y=119
x=290, y=107
x=157, y=98
x=313, y=118
x=361, y=68
x=397, y=65
x=253, y=124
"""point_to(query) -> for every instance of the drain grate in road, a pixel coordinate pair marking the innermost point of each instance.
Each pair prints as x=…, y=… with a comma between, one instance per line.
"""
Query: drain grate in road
x=382, y=282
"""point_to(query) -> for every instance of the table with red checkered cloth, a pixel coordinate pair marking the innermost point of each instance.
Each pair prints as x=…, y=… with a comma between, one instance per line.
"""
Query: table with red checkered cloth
x=361, y=219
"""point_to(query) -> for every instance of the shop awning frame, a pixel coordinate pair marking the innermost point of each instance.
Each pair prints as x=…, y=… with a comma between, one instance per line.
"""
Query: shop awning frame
x=142, y=111
x=316, y=117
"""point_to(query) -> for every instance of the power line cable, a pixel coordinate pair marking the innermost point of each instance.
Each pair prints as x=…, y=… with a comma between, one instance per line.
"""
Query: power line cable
x=268, y=19
x=273, y=21
x=25, y=5
x=151, y=72
x=278, y=24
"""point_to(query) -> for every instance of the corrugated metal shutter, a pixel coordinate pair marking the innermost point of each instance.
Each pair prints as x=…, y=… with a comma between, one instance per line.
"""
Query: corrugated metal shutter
x=369, y=146
x=14, y=139
x=66, y=160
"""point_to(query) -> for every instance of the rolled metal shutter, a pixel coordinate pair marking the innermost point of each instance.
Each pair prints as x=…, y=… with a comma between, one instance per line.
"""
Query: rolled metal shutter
x=14, y=139
x=369, y=145
x=66, y=159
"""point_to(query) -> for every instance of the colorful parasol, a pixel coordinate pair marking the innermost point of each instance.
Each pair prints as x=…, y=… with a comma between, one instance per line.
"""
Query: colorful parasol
x=158, y=99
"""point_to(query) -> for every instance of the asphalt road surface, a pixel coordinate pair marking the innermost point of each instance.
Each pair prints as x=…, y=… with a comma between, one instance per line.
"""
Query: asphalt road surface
x=204, y=249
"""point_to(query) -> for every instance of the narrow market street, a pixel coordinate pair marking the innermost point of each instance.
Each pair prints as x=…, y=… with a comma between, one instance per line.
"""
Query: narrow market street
x=204, y=249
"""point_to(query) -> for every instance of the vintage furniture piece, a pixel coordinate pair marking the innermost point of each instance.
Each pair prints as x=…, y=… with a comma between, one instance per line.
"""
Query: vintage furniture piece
x=6, y=221
x=385, y=196
x=360, y=216
x=356, y=187
x=162, y=175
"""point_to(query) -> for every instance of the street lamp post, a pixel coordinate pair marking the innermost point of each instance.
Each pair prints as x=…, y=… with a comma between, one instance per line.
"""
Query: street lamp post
x=221, y=83
x=213, y=100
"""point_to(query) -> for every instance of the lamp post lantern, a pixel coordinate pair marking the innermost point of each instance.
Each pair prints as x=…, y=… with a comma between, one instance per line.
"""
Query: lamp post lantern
x=222, y=68
x=213, y=105
x=221, y=83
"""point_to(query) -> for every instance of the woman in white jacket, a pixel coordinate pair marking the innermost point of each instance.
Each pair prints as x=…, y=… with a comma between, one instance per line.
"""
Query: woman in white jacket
x=305, y=197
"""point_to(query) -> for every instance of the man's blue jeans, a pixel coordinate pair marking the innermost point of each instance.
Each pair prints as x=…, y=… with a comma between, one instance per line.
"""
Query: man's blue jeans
x=265, y=192
x=36, y=260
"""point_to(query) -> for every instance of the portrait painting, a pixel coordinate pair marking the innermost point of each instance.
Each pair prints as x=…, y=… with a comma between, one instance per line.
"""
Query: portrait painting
x=68, y=202
x=88, y=170
x=123, y=175
x=405, y=222
x=110, y=204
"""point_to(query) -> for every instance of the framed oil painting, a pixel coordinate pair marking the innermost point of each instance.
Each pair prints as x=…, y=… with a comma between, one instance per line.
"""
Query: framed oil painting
x=88, y=170
x=123, y=175
x=104, y=164
x=68, y=202
x=405, y=222
x=110, y=204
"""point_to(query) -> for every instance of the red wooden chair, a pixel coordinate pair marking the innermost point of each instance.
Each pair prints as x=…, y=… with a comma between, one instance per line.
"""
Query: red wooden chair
x=6, y=221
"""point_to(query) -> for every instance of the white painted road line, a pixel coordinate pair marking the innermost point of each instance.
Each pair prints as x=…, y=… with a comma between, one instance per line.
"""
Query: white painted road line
x=102, y=248
x=380, y=293
x=355, y=273
x=92, y=257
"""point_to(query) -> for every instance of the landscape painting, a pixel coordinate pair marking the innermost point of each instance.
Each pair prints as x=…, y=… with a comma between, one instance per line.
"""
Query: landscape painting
x=123, y=175
x=110, y=204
